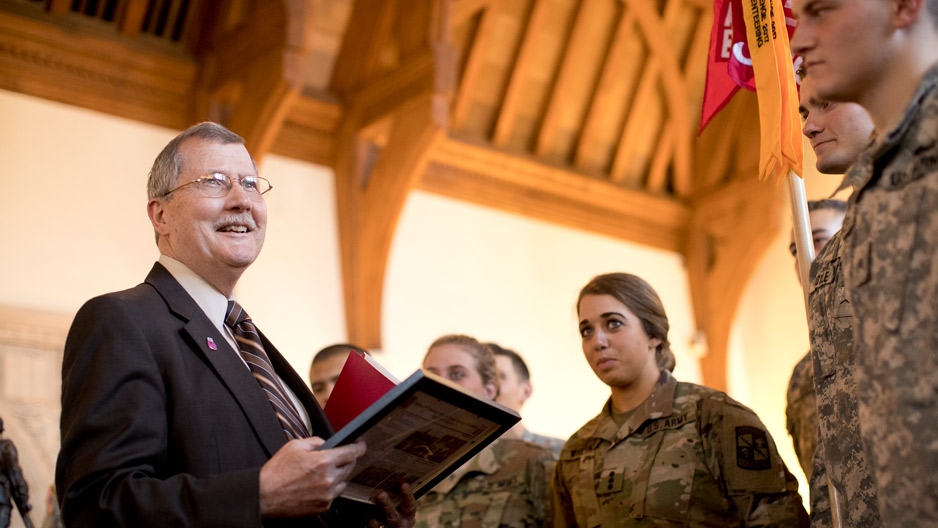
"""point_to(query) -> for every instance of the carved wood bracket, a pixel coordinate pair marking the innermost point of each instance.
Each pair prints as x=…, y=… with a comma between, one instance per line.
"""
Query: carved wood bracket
x=394, y=118
x=730, y=229
x=252, y=73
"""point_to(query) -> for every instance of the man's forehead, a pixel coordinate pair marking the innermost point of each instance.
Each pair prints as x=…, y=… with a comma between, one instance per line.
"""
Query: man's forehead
x=808, y=98
x=505, y=364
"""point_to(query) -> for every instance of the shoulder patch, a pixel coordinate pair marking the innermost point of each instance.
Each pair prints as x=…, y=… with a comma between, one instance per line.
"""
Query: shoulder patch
x=752, y=449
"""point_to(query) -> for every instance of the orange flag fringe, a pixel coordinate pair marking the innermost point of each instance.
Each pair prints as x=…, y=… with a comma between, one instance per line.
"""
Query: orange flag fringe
x=780, y=126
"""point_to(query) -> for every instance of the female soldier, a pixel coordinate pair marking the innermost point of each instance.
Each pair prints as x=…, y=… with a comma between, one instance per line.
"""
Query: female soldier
x=662, y=452
x=507, y=483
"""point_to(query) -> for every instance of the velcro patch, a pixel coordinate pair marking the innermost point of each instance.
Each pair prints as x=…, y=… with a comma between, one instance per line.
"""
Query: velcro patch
x=671, y=422
x=752, y=449
x=609, y=481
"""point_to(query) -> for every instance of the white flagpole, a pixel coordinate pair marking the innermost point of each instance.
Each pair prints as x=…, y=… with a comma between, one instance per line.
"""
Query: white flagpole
x=804, y=244
x=804, y=241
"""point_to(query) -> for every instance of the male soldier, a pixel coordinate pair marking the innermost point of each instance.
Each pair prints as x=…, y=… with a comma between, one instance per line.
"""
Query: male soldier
x=838, y=132
x=325, y=369
x=883, y=54
x=826, y=217
x=514, y=389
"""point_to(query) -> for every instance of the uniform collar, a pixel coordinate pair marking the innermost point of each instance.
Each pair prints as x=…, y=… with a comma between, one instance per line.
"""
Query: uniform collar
x=863, y=171
x=659, y=404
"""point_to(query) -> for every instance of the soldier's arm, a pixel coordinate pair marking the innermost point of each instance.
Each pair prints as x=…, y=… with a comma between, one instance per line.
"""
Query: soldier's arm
x=540, y=474
x=756, y=479
x=560, y=509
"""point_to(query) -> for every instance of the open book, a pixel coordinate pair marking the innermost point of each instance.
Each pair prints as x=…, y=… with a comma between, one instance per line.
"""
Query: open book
x=417, y=431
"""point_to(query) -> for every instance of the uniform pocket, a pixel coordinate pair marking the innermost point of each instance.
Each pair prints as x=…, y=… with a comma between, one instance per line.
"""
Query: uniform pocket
x=671, y=477
x=881, y=261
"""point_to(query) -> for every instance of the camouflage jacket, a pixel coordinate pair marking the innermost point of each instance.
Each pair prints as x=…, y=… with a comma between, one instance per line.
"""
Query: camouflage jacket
x=840, y=459
x=890, y=265
x=505, y=485
x=688, y=456
x=555, y=444
x=801, y=413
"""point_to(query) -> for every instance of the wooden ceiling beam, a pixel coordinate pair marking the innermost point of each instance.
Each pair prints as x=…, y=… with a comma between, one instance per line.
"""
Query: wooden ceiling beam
x=493, y=178
x=370, y=27
x=309, y=131
x=658, y=170
x=663, y=55
x=256, y=72
x=59, y=7
x=463, y=10
x=614, y=65
x=637, y=123
x=92, y=70
x=130, y=21
x=696, y=62
x=569, y=72
x=508, y=112
x=384, y=95
x=419, y=27
x=475, y=61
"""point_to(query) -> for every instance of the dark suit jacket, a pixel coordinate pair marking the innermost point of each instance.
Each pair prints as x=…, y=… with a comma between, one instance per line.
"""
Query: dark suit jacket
x=158, y=428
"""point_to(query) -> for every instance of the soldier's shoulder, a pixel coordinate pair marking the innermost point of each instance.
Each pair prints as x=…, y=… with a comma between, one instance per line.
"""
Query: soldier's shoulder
x=515, y=449
x=715, y=405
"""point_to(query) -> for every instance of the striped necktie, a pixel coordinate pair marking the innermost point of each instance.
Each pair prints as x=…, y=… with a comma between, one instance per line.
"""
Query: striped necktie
x=252, y=351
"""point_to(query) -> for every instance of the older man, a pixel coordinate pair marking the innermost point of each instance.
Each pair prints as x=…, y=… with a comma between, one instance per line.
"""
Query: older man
x=176, y=410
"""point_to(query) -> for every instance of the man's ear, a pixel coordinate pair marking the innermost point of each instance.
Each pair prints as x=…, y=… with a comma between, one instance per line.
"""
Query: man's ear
x=156, y=212
x=491, y=390
x=906, y=12
x=526, y=390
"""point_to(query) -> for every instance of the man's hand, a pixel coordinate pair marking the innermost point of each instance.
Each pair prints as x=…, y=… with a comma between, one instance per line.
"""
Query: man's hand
x=298, y=480
x=405, y=517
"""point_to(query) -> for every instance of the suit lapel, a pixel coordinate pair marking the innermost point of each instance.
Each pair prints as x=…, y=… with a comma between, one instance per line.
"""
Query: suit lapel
x=224, y=362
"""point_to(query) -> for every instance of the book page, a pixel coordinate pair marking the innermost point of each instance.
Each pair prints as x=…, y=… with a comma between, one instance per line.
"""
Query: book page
x=413, y=444
x=419, y=432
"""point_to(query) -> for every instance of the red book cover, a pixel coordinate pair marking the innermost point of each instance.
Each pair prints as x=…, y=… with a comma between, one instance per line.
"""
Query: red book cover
x=362, y=382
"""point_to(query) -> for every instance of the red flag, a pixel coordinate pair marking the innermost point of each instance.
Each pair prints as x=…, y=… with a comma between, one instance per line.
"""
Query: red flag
x=729, y=64
x=719, y=87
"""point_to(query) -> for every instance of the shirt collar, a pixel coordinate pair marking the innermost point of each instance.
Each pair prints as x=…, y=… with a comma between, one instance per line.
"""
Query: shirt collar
x=212, y=302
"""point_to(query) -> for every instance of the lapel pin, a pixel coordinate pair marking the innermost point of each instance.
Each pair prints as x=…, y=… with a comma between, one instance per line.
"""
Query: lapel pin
x=211, y=343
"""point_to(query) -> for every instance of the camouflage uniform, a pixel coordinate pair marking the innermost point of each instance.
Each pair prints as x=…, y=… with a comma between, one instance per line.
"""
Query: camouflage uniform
x=505, y=485
x=555, y=444
x=890, y=266
x=839, y=458
x=688, y=456
x=801, y=413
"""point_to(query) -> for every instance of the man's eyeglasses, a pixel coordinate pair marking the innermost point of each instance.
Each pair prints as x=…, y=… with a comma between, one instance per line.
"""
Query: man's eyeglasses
x=218, y=184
